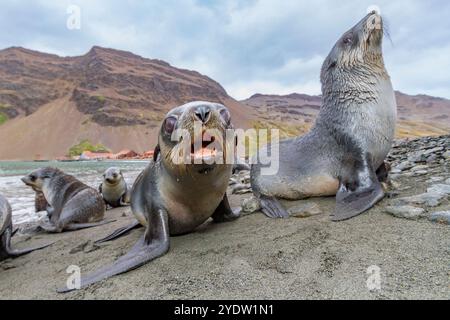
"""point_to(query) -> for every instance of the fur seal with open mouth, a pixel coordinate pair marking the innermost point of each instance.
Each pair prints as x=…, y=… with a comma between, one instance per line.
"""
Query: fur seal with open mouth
x=351, y=137
x=6, y=232
x=174, y=197
x=114, y=189
x=73, y=204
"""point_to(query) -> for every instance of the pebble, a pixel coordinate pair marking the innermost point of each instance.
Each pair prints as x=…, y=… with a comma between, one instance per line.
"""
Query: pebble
x=440, y=217
x=250, y=205
x=422, y=167
x=305, y=210
x=430, y=199
x=439, y=188
x=407, y=212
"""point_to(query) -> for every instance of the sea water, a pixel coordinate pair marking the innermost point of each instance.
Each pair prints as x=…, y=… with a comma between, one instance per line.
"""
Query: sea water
x=21, y=197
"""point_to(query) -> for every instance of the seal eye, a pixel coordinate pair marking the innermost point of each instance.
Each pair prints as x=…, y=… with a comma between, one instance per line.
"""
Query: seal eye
x=169, y=124
x=33, y=177
x=348, y=39
x=225, y=114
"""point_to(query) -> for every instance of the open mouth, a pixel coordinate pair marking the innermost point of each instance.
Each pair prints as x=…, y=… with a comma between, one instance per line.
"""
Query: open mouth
x=207, y=150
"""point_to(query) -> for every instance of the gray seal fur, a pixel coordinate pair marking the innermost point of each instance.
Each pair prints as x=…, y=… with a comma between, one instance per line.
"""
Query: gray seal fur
x=173, y=199
x=74, y=205
x=352, y=134
x=6, y=233
x=114, y=189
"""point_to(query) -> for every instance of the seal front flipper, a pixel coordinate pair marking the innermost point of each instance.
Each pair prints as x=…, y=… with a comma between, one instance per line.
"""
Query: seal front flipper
x=153, y=244
x=359, y=189
x=272, y=208
x=52, y=228
x=120, y=232
x=224, y=213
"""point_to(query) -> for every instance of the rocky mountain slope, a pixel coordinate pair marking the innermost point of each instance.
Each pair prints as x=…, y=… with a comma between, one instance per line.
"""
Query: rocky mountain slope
x=108, y=96
x=294, y=114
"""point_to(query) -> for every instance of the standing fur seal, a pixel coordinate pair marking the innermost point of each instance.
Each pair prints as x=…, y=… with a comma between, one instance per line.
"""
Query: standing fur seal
x=73, y=204
x=172, y=198
x=351, y=137
x=114, y=189
x=6, y=232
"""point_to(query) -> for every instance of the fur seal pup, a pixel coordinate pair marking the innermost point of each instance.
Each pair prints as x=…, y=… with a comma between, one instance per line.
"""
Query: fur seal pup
x=173, y=198
x=114, y=189
x=351, y=137
x=73, y=204
x=6, y=233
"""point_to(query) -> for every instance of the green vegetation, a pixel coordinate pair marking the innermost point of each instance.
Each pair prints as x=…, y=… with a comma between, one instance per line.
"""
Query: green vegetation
x=86, y=145
x=3, y=118
x=100, y=98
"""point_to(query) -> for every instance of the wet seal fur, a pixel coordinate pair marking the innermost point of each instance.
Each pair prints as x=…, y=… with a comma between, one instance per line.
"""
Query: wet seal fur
x=114, y=189
x=352, y=135
x=173, y=199
x=72, y=204
x=6, y=233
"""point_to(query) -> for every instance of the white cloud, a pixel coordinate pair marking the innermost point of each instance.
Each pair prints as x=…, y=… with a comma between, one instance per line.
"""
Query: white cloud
x=248, y=46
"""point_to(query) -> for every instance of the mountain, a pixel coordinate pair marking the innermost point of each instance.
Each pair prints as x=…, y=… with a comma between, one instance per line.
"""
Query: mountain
x=294, y=114
x=116, y=98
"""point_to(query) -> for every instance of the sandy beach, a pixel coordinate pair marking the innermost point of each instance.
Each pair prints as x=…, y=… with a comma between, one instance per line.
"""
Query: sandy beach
x=251, y=258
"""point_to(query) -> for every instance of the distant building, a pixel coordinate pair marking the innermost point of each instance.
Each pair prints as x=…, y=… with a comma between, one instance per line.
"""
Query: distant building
x=88, y=155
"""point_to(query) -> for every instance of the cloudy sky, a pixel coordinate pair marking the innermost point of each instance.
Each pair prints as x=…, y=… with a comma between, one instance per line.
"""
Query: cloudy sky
x=249, y=46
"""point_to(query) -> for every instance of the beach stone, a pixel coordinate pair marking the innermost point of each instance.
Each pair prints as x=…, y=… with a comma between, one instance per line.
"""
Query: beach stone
x=440, y=217
x=404, y=166
x=407, y=212
x=250, y=205
x=439, y=188
x=430, y=199
x=446, y=154
x=240, y=188
x=305, y=210
x=422, y=167
x=430, y=151
x=435, y=179
x=447, y=181
x=419, y=173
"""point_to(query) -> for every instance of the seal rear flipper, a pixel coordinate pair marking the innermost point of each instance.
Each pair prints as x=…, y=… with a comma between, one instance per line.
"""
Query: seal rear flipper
x=359, y=189
x=224, y=213
x=79, y=226
x=153, y=244
x=272, y=208
x=120, y=232
x=20, y=252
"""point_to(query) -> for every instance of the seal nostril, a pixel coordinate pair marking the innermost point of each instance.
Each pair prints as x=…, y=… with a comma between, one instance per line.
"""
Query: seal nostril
x=203, y=113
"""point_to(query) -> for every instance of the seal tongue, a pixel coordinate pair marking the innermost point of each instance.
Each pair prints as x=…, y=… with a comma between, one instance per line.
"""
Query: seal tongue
x=204, y=153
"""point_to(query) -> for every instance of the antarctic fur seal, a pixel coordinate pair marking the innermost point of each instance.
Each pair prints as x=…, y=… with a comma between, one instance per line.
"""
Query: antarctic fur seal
x=171, y=197
x=351, y=137
x=114, y=189
x=73, y=204
x=6, y=233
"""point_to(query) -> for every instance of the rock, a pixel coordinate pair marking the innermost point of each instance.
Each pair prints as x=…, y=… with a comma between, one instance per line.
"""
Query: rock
x=422, y=167
x=439, y=188
x=434, y=179
x=430, y=151
x=305, y=210
x=251, y=205
x=447, y=181
x=419, y=173
x=446, y=154
x=440, y=217
x=430, y=199
x=240, y=188
x=407, y=212
x=404, y=166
